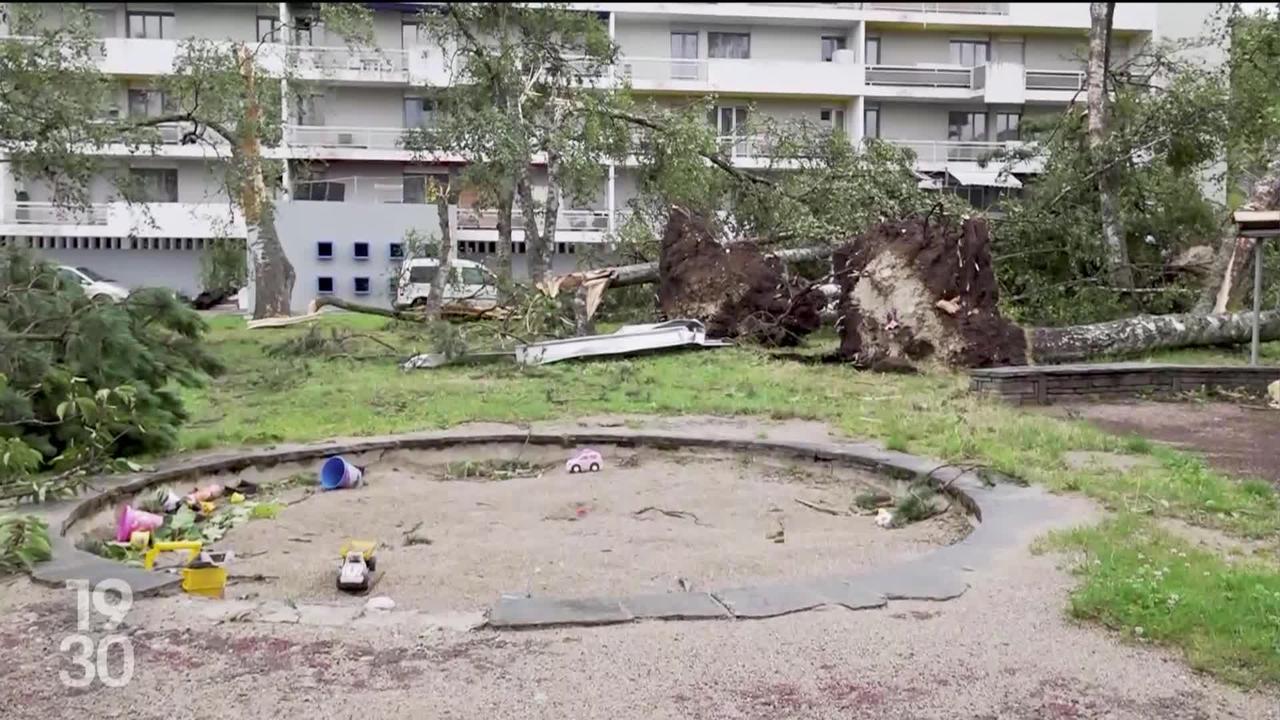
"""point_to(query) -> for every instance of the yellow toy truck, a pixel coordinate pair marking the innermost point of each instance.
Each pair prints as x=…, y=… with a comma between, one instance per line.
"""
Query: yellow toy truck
x=358, y=564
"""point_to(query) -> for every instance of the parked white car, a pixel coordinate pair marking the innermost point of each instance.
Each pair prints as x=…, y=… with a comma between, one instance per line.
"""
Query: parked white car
x=95, y=286
x=470, y=286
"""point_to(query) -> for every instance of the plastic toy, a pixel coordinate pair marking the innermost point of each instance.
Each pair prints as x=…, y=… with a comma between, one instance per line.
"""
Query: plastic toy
x=130, y=520
x=358, y=564
x=584, y=460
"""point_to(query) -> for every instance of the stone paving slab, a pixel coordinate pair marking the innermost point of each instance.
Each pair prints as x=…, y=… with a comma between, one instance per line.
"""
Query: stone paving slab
x=770, y=600
x=328, y=615
x=71, y=563
x=674, y=606
x=522, y=612
x=852, y=593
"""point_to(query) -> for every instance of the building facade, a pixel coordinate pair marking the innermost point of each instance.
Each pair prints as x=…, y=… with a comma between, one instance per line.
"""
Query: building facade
x=952, y=81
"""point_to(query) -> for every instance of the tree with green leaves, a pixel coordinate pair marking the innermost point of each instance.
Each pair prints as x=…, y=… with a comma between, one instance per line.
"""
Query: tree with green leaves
x=525, y=101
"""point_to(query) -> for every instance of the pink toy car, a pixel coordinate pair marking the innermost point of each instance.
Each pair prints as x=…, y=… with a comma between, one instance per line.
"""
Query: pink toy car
x=584, y=460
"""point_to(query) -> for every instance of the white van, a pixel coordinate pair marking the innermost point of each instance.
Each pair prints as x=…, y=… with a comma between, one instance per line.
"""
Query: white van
x=471, y=286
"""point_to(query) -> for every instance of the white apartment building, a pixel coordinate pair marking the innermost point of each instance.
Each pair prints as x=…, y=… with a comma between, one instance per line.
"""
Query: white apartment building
x=952, y=81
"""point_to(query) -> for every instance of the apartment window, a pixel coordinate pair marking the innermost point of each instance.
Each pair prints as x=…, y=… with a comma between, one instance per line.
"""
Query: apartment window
x=396, y=251
x=565, y=248
x=320, y=191
x=310, y=109
x=832, y=117
x=871, y=121
x=145, y=103
x=360, y=250
x=420, y=112
x=1007, y=125
x=412, y=35
x=104, y=22
x=684, y=46
x=967, y=126
x=324, y=285
x=324, y=251
x=155, y=184
x=150, y=25
x=268, y=29
x=415, y=187
x=734, y=46
x=871, y=51
x=969, y=53
x=830, y=44
x=361, y=286
x=303, y=31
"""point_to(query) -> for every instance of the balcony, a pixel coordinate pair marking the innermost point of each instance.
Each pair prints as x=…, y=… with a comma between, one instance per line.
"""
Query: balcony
x=783, y=77
x=950, y=7
x=1053, y=85
x=120, y=219
x=935, y=155
x=572, y=226
x=350, y=65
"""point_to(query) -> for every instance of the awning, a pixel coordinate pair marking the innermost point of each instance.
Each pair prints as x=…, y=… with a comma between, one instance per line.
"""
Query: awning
x=973, y=175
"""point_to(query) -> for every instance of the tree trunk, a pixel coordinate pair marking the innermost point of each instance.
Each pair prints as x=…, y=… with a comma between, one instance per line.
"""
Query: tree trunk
x=642, y=273
x=273, y=275
x=1101, y=15
x=506, y=204
x=1145, y=333
x=550, y=211
x=535, y=246
x=446, y=250
x=1232, y=274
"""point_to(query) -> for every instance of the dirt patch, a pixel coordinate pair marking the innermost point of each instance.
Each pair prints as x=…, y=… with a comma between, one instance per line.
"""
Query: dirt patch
x=1235, y=439
x=735, y=288
x=648, y=522
x=917, y=290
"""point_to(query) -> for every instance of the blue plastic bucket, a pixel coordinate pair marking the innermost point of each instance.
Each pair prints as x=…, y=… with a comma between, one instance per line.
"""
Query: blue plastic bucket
x=338, y=473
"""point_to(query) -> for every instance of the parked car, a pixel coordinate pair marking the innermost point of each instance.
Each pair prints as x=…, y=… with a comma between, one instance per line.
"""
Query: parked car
x=471, y=286
x=95, y=286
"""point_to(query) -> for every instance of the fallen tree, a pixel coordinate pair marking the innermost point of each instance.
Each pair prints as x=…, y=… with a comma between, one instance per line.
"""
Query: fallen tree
x=1145, y=333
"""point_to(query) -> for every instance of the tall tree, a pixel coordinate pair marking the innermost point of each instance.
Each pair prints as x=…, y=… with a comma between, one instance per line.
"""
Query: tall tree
x=1101, y=16
x=525, y=104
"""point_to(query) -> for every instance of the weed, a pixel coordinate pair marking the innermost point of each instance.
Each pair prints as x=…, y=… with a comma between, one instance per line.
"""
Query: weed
x=920, y=502
x=1137, y=445
x=492, y=469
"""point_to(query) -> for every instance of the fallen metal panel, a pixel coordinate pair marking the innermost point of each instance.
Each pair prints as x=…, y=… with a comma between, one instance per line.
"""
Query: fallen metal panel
x=628, y=339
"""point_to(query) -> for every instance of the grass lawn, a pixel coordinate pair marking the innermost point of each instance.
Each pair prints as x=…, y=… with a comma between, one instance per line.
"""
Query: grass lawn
x=264, y=400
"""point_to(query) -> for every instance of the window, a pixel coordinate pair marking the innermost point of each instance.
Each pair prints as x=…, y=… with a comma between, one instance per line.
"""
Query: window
x=736, y=46
x=969, y=53
x=684, y=46
x=362, y=286
x=396, y=251
x=145, y=103
x=302, y=31
x=415, y=187
x=967, y=126
x=833, y=117
x=324, y=251
x=871, y=51
x=412, y=35
x=310, y=109
x=566, y=248
x=830, y=44
x=324, y=285
x=320, y=190
x=155, y=184
x=731, y=127
x=268, y=29
x=150, y=25
x=422, y=274
x=1007, y=125
x=420, y=112
x=360, y=251
x=871, y=121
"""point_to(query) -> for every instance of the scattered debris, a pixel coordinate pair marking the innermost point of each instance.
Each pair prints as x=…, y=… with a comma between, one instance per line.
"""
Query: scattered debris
x=380, y=603
x=584, y=459
x=820, y=507
x=570, y=513
x=680, y=514
x=778, y=534
x=884, y=518
x=626, y=340
x=872, y=500
x=130, y=520
x=493, y=469
x=411, y=536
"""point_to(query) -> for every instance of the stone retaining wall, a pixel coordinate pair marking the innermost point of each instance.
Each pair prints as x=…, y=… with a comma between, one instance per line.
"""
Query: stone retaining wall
x=1044, y=385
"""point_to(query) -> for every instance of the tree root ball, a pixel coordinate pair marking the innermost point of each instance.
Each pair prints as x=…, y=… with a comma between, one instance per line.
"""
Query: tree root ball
x=737, y=290
x=923, y=290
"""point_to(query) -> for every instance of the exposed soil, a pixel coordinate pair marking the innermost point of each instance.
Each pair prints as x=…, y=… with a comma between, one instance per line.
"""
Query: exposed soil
x=738, y=291
x=569, y=535
x=923, y=290
x=1236, y=439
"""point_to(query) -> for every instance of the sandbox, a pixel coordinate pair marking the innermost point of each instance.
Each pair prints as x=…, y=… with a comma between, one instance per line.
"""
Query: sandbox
x=455, y=534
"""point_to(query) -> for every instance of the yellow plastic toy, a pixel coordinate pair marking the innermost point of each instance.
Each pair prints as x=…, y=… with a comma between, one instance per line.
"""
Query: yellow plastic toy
x=193, y=548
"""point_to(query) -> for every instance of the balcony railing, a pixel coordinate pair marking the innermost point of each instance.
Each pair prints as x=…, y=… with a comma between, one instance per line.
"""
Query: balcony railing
x=327, y=136
x=1068, y=80
x=642, y=68
x=950, y=7
x=937, y=151
x=377, y=63
x=43, y=213
x=919, y=76
x=588, y=220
